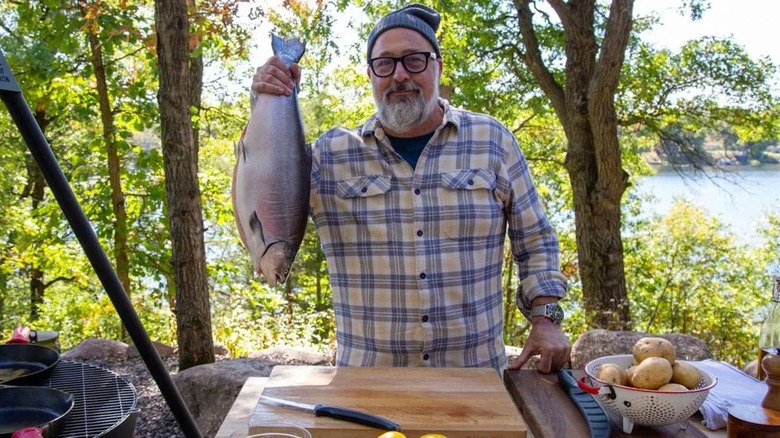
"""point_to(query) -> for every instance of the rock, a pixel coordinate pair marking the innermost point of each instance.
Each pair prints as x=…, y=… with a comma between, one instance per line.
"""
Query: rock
x=221, y=350
x=597, y=343
x=513, y=353
x=97, y=349
x=162, y=349
x=751, y=369
x=210, y=390
x=292, y=356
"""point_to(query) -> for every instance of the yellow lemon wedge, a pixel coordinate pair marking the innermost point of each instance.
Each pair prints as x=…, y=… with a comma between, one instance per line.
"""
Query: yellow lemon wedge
x=392, y=434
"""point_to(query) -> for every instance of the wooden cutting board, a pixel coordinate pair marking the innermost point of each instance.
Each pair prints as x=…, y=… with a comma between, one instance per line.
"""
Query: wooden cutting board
x=455, y=402
x=550, y=413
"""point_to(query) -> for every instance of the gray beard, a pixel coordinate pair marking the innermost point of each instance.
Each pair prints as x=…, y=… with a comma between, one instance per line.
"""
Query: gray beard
x=406, y=113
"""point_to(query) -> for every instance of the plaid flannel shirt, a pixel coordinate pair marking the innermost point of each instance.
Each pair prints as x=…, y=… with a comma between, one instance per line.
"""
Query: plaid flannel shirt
x=415, y=255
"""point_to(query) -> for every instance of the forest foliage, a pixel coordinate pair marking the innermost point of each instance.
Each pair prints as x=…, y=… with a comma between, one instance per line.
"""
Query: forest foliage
x=685, y=272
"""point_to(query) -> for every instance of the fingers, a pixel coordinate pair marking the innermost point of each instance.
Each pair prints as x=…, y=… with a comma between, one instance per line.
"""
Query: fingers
x=520, y=360
x=295, y=69
x=273, y=77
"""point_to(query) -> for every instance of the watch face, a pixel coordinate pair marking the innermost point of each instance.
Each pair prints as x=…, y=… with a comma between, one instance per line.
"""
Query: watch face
x=555, y=312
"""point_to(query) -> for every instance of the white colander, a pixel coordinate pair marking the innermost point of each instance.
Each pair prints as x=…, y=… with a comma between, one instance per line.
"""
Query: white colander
x=644, y=406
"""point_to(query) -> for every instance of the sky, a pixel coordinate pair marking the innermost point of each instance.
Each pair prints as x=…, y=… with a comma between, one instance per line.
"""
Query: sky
x=750, y=22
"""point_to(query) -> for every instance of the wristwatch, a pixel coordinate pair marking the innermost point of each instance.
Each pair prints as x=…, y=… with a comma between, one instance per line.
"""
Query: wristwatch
x=550, y=310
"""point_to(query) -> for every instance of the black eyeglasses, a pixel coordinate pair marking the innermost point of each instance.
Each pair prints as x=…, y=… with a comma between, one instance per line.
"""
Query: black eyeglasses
x=417, y=62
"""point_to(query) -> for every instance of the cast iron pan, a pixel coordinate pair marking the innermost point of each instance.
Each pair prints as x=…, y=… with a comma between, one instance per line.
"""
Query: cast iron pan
x=33, y=406
x=26, y=364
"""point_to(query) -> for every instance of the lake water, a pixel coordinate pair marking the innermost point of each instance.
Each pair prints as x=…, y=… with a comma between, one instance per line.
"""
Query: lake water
x=740, y=198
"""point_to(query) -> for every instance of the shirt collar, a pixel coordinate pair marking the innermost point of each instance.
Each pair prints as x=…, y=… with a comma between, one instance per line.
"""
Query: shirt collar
x=450, y=116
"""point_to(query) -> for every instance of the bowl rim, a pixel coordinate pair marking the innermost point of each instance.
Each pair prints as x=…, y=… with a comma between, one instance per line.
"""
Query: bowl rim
x=713, y=378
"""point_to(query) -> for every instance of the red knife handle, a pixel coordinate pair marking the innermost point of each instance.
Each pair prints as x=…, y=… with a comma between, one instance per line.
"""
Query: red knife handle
x=28, y=432
x=587, y=388
x=21, y=335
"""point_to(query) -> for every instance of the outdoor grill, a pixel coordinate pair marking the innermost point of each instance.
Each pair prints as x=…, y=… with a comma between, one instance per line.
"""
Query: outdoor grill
x=105, y=403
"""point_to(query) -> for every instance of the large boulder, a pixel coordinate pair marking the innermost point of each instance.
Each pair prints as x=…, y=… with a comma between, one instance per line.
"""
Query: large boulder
x=210, y=390
x=163, y=350
x=96, y=349
x=292, y=356
x=513, y=354
x=751, y=369
x=597, y=343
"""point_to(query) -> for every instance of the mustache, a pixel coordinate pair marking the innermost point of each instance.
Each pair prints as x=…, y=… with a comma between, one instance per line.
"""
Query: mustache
x=402, y=86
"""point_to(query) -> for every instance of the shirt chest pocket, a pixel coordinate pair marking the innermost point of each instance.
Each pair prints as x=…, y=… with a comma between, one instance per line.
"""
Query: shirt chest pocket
x=363, y=186
x=362, y=204
x=469, y=179
x=469, y=206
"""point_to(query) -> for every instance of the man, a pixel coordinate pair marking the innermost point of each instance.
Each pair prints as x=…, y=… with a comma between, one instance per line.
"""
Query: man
x=412, y=209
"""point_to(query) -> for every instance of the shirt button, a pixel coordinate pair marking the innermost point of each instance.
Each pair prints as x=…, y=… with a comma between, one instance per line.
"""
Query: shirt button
x=416, y=191
x=425, y=318
x=364, y=189
x=422, y=275
x=471, y=182
x=419, y=233
x=425, y=356
x=380, y=134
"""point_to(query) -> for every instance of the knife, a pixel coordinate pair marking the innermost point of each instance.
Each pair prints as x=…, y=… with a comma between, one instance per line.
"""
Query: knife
x=595, y=417
x=345, y=414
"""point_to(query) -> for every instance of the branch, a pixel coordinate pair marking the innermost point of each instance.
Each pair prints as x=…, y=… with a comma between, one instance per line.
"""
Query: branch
x=60, y=278
x=532, y=57
x=613, y=49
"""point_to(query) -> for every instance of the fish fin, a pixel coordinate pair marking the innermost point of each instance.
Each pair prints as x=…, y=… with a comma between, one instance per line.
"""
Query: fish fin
x=290, y=50
x=258, y=247
x=256, y=226
x=241, y=150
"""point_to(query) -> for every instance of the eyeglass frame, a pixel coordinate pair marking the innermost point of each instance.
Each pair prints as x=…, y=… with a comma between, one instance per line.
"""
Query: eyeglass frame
x=401, y=59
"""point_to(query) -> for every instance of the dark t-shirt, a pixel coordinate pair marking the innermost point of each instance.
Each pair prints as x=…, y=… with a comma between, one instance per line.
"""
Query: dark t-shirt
x=410, y=148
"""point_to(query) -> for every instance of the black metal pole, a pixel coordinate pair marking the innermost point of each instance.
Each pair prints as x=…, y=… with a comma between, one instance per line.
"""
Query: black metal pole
x=11, y=95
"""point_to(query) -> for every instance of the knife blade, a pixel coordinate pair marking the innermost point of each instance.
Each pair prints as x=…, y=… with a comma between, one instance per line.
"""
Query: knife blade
x=595, y=417
x=346, y=414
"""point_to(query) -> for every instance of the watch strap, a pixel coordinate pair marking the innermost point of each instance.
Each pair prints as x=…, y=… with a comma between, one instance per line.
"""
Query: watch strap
x=552, y=311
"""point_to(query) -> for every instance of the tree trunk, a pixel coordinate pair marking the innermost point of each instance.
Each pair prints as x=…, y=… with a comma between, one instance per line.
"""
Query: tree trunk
x=585, y=107
x=121, y=250
x=180, y=159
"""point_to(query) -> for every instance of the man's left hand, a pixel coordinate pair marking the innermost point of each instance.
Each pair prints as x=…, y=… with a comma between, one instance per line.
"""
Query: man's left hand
x=548, y=340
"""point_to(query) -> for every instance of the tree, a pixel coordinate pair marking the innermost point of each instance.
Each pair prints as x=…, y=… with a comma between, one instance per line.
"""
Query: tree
x=584, y=61
x=92, y=13
x=585, y=106
x=180, y=157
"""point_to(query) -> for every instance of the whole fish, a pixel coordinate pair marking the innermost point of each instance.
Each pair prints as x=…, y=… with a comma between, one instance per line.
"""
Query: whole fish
x=271, y=179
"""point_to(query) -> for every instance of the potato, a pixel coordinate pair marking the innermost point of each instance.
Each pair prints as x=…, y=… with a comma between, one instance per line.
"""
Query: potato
x=630, y=375
x=686, y=375
x=674, y=387
x=652, y=373
x=612, y=373
x=654, y=347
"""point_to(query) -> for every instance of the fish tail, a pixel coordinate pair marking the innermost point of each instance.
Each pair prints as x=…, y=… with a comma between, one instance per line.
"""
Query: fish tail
x=290, y=50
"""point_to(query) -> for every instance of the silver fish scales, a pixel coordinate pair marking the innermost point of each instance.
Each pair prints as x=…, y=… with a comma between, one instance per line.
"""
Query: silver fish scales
x=271, y=179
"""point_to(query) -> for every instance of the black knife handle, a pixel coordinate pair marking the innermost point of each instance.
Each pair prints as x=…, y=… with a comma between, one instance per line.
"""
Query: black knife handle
x=355, y=417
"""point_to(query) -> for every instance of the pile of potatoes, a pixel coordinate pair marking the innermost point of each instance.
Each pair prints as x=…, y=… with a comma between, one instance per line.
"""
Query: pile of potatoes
x=654, y=367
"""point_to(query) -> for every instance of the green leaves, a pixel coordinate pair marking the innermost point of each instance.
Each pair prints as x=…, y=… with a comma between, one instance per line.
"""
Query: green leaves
x=687, y=274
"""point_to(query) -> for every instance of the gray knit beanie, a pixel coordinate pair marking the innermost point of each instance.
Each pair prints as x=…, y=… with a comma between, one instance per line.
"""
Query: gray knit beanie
x=415, y=16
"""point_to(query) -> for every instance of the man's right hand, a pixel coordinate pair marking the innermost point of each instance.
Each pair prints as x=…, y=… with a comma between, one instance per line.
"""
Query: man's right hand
x=273, y=77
